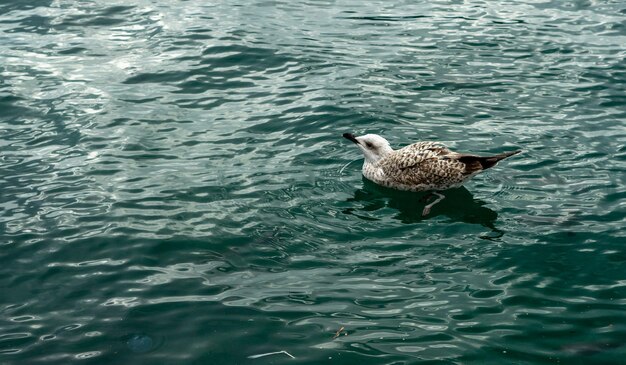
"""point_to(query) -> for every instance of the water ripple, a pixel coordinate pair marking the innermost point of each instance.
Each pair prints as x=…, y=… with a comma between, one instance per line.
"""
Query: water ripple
x=175, y=186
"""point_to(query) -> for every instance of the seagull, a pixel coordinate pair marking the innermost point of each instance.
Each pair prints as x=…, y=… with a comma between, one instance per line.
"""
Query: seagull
x=421, y=166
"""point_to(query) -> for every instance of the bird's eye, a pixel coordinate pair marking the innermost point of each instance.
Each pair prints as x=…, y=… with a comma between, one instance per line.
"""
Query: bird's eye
x=369, y=144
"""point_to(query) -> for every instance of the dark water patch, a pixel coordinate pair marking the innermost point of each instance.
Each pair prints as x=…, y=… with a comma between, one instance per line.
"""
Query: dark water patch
x=385, y=18
x=11, y=6
x=175, y=186
x=95, y=17
x=246, y=58
x=173, y=76
x=31, y=24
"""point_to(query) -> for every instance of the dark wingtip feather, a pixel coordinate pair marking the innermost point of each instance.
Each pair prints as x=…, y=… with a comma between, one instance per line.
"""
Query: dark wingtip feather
x=477, y=163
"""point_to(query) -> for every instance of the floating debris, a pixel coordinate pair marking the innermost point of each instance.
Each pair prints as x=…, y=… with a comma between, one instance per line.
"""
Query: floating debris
x=271, y=353
x=339, y=332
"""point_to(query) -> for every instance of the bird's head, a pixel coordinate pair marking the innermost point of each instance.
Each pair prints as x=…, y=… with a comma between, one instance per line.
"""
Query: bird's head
x=373, y=146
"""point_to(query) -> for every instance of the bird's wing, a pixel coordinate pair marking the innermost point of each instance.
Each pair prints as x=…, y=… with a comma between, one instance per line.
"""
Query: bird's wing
x=428, y=163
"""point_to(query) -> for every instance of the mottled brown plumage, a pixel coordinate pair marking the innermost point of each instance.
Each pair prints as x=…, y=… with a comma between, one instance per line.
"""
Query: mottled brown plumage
x=422, y=166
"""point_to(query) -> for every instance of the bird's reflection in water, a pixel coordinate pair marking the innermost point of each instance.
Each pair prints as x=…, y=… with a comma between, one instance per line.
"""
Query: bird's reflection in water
x=459, y=205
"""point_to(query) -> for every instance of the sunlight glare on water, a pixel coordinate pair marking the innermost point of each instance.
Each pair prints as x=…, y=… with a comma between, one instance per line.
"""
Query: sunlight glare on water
x=174, y=187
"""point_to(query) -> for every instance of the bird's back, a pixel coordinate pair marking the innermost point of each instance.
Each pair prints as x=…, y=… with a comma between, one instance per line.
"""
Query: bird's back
x=423, y=166
x=420, y=166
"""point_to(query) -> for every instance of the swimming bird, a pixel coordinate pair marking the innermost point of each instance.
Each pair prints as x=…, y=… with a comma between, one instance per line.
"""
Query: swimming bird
x=421, y=166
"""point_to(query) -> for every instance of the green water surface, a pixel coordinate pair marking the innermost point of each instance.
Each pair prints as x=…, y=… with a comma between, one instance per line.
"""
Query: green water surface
x=174, y=188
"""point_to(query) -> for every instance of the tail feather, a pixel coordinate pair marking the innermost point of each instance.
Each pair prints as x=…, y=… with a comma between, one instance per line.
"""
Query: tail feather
x=475, y=163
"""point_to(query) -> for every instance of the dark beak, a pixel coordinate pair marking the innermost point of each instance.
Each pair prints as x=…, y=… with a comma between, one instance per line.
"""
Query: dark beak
x=350, y=137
